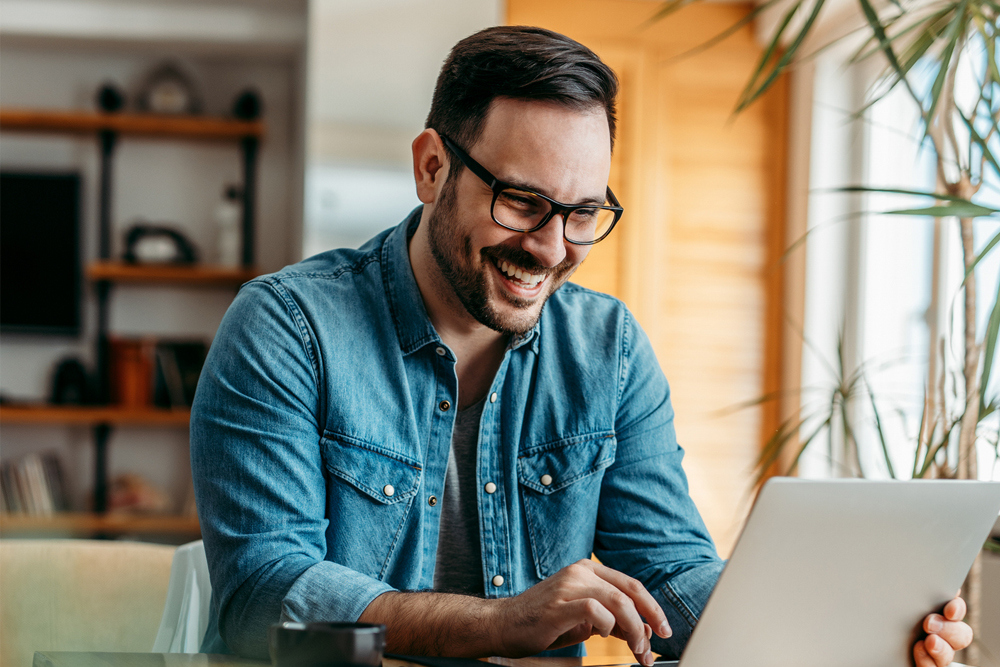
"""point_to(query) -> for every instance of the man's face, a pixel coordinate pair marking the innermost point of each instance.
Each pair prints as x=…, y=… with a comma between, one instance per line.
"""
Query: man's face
x=558, y=152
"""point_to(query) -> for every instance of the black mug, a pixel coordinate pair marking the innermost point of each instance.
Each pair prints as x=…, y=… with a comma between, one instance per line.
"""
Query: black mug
x=326, y=644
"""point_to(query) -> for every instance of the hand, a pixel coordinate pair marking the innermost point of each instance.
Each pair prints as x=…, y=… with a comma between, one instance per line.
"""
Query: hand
x=945, y=635
x=578, y=601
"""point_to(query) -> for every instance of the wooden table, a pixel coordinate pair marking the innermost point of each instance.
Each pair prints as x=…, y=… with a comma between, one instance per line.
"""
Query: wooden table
x=73, y=659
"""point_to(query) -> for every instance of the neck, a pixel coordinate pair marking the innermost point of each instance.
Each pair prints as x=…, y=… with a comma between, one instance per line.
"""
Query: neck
x=479, y=350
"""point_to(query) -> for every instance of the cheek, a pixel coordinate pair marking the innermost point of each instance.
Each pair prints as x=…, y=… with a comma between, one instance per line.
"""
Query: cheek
x=575, y=254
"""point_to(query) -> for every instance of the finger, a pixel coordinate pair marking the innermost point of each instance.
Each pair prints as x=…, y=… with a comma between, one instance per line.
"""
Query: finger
x=629, y=624
x=643, y=657
x=940, y=650
x=589, y=610
x=581, y=581
x=955, y=610
x=921, y=657
x=957, y=634
x=643, y=601
x=579, y=633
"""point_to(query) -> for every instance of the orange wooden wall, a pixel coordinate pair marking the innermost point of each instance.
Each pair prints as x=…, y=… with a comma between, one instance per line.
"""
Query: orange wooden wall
x=693, y=256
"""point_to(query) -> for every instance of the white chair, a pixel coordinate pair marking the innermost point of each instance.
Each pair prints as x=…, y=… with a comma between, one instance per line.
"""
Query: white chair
x=189, y=594
x=79, y=595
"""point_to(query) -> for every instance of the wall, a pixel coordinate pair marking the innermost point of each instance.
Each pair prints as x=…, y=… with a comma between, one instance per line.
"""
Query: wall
x=156, y=180
x=694, y=254
x=372, y=69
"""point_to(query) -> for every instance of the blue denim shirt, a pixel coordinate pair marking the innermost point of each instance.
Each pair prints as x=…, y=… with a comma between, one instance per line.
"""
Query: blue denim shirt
x=320, y=430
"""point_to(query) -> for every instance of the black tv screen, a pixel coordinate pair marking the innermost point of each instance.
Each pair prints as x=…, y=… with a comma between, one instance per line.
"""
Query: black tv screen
x=40, y=275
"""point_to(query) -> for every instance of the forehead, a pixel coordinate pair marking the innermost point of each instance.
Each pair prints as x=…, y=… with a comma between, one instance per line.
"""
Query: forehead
x=564, y=153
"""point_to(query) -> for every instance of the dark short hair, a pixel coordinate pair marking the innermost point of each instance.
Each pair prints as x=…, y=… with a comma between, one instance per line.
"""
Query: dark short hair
x=518, y=62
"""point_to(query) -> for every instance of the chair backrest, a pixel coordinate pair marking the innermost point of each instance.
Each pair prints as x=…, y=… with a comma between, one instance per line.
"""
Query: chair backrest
x=79, y=595
x=185, y=615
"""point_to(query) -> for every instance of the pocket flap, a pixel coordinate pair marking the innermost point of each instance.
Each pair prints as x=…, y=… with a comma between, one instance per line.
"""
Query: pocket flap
x=554, y=466
x=378, y=474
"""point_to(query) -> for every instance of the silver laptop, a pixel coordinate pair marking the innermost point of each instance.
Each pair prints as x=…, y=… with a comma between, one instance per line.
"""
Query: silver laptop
x=841, y=572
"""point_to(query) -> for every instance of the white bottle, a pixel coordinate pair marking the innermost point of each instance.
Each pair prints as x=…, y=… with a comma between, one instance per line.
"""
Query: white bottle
x=227, y=220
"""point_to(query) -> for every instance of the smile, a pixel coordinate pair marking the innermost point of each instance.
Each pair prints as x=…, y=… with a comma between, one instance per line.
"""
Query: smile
x=519, y=276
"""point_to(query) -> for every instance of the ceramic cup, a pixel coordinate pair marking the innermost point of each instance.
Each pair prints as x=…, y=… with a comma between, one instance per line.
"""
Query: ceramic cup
x=326, y=644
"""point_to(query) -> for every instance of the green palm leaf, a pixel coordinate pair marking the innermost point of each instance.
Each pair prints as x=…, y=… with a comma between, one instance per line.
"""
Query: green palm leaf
x=989, y=351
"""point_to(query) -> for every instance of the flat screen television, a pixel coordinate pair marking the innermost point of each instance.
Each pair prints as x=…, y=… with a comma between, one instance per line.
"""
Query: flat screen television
x=40, y=273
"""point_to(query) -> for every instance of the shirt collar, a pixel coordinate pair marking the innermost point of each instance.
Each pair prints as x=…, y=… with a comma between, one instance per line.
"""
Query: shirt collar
x=413, y=325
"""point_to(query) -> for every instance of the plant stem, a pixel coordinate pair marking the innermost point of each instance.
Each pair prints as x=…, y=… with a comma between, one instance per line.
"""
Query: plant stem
x=967, y=462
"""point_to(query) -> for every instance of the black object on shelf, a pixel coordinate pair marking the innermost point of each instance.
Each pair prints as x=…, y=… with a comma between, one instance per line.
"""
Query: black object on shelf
x=178, y=367
x=159, y=244
x=248, y=105
x=40, y=270
x=71, y=384
x=110, y=98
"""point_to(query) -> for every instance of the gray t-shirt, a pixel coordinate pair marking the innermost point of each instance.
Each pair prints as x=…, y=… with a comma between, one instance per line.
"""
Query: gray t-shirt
x=459, y=567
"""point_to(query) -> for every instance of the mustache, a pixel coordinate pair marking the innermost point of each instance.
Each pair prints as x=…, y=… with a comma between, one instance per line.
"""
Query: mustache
x=518, y=257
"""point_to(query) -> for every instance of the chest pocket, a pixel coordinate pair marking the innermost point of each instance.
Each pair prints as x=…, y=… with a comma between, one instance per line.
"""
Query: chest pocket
x=369, y=494
x=561, y=488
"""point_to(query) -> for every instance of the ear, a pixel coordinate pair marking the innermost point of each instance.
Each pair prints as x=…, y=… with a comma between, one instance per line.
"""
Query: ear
x=430, y=165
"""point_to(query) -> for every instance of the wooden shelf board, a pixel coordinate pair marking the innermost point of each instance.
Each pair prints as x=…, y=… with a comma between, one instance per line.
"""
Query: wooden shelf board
x=92, y=415
x=198, y=274
x=84, y=122
x=85, y=522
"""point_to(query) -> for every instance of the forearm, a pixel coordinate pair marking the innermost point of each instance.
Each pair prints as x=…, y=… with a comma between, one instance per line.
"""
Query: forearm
x=440, y=624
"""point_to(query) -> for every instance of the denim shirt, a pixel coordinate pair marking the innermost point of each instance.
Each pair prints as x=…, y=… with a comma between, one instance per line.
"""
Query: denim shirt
x=322, y=424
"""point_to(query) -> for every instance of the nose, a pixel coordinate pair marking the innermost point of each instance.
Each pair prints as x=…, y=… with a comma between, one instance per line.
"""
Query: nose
x=547, y=245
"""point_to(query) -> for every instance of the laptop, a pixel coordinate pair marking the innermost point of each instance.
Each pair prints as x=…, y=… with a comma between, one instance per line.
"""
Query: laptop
x=841, y=572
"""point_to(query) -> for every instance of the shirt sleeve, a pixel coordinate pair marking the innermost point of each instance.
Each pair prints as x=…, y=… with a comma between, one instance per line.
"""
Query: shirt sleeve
x=648, y=527
x=258, y=476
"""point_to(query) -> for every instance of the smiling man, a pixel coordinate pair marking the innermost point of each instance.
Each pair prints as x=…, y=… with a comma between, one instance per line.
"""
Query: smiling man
x=436, y=431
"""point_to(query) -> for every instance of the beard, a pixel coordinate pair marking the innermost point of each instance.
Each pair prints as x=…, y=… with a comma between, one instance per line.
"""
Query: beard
x=451, y=248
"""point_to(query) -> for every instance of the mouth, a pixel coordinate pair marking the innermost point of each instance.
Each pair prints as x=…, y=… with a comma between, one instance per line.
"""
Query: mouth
x=518, y=280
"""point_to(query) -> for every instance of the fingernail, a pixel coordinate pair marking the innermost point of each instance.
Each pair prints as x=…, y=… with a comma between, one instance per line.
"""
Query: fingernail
x=648, y=658
x=934, y=623
x=665, y=630
x=933, y=644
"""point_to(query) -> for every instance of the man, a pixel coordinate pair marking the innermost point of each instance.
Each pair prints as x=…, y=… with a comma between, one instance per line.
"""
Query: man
x=403, y=435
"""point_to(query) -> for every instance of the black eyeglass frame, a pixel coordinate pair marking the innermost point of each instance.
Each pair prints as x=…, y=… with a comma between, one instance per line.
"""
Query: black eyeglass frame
x=498, y=186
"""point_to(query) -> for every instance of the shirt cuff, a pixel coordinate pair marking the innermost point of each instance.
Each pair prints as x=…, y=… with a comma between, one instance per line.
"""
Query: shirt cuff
x=683, y=598
x=330, y=592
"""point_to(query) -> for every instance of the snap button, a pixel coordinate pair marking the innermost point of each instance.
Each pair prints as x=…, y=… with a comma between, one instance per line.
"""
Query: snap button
x=493, y=397
x=432, y=501
x=441, y=351
x=444, y=405
x=491, y=487
x=546, y=480
x=498, y=580
x=388, y=490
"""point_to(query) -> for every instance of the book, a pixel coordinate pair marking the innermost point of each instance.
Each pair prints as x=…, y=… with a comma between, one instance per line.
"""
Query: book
x=33, y=484
x=178, y=367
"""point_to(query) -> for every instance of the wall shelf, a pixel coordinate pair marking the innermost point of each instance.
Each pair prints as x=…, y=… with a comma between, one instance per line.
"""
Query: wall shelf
x=198, y=274
x=104, y=524
x=151, y=125
x=108, y=129
x=92, y=415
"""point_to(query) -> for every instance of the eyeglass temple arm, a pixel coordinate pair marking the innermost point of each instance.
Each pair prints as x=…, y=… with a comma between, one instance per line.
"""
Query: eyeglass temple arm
x=467, y=160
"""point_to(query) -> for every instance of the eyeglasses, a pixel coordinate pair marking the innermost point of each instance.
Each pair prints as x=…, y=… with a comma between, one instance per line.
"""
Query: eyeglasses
x=522, y=210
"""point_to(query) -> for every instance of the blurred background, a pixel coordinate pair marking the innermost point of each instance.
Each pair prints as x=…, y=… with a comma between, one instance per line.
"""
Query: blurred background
x=253, y=133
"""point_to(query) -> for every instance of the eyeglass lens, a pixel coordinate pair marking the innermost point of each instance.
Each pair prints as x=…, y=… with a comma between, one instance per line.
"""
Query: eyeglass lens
x=518, y=209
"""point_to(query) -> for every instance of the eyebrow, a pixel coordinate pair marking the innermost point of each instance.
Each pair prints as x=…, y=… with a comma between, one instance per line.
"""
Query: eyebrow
x=521, y=185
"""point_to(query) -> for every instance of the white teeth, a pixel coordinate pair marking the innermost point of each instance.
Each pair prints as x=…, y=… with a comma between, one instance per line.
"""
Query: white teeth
x=528, y=279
